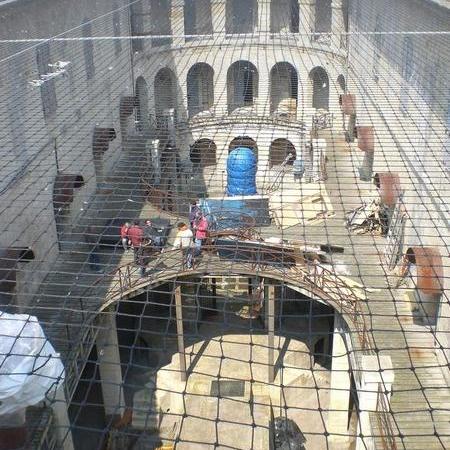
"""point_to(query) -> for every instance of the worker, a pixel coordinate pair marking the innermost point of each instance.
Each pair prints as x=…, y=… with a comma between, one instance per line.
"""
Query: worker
x=201, y=231
x=124, y=235
x=183, y=241
x=135, y=236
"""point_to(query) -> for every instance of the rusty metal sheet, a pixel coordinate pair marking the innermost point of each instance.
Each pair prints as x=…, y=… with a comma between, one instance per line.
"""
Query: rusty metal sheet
x=348, y=104
x=63, y=188
x=127, y=105
x=388, y=184
x=366, y=141
x=9, y=257
x=101, y=139
x=430, y=272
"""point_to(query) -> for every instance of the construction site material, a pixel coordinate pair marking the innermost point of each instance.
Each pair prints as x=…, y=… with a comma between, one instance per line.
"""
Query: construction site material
x=371, y=217
x=29, y=365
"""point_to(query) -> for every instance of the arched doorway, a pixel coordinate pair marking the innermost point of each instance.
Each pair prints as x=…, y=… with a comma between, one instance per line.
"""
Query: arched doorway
x=242, y=85
x=197, y=18
x=284, y=89
x=241, y=16
x=243, y=141
x=341, y=84
x=322, y=17
x=280, y=149
x=203, y=153
x=142, y=118
x=200, y=88
x=284, y=16
x=320, y=86
x=165, y=91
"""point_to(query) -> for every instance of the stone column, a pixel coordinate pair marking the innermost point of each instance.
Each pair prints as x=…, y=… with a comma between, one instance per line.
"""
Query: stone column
x=263, y=26
x=180, y=333
x=339, y=386
x=62, y=421
x=109, y=366
x=377, y=375
x=270, y=319
x=218, y=13
x=337, y=24
x=177, y=22
x=306, y=20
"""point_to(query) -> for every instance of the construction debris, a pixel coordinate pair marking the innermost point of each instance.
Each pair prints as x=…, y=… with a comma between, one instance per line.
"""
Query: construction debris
x=371, y=217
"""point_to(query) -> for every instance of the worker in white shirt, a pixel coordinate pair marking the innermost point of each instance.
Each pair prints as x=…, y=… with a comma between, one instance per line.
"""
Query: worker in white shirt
x=183, y=241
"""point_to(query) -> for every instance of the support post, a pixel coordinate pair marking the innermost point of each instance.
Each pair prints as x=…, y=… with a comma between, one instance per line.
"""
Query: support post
x=180, y=333
x=62, y=422
x=271, y=331
x=339, y=387
x=110, y=368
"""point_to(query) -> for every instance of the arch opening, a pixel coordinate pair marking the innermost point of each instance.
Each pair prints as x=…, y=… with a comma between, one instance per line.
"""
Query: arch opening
x=242, y=85
x=284, y=89
x=320, y=85
x=244, y=141
x=203, y=153
x=341, y=84
x=280, y=149
x=284, y=16
x=197, y=18
x=200, y=88
x=142, y=117
x=241, y=16
x=322, y=21
x=165, y=91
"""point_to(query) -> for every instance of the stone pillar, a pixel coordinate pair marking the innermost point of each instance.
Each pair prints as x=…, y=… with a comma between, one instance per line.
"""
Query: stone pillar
x=218, y=13
x=306, y=20
x=377, y=375
x=270, y=320
x=62, y=421
x=337, y=24
x=339, y=386
x=177, y=22
x=180, y=333
x=109, y=366
x=263, y=26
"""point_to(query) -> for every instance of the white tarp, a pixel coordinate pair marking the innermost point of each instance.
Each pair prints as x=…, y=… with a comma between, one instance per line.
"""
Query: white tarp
x=29, y=365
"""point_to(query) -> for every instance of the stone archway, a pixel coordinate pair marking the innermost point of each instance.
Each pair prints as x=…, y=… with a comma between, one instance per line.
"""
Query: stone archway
x=203, y=153
x=279, y=150
x=200, y=88
x=242, y=85
x=320, y=88
x=244, y=141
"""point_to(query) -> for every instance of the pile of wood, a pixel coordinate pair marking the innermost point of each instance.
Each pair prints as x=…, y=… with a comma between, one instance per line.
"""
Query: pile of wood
x=371, y=217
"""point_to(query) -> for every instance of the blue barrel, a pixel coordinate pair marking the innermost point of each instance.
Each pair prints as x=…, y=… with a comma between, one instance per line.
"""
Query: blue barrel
x=241, y=172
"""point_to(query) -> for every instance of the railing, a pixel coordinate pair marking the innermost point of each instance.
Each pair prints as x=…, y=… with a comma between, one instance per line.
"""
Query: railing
x=384, y=421
x=288, y=264
x=322, y=121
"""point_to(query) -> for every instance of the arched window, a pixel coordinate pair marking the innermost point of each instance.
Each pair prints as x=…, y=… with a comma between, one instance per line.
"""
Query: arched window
x=407, y=72
x=280, y=149
x=142, y=104
x=88, y=49
x=242, y=85
x=137, y=25
x=203, y=153
x=241, y=16
x=48, y=90
x=320, y=88
x=200, y=88
x=284, y=89
x=243, y=141
x=165, y=91
x=284, y=16
x=197, y=17
x=341, y=83
x=322, y=20
x=159, y=23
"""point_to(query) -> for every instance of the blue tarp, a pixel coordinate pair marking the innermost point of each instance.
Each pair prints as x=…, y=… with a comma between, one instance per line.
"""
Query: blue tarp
x=231, y=212
x=241, y=172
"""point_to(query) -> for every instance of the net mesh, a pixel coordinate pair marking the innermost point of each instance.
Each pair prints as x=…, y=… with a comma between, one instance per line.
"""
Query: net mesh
x=313, y=312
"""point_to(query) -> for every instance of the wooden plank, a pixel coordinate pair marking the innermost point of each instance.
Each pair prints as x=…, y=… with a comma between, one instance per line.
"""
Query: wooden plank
x=180, y=332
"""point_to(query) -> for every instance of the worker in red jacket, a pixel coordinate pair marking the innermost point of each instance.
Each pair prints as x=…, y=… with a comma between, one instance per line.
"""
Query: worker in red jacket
x=135, y=236
x=124, y=235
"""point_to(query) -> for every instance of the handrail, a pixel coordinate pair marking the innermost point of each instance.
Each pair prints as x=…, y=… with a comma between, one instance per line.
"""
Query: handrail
x=282, y=263
x=384, y=420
